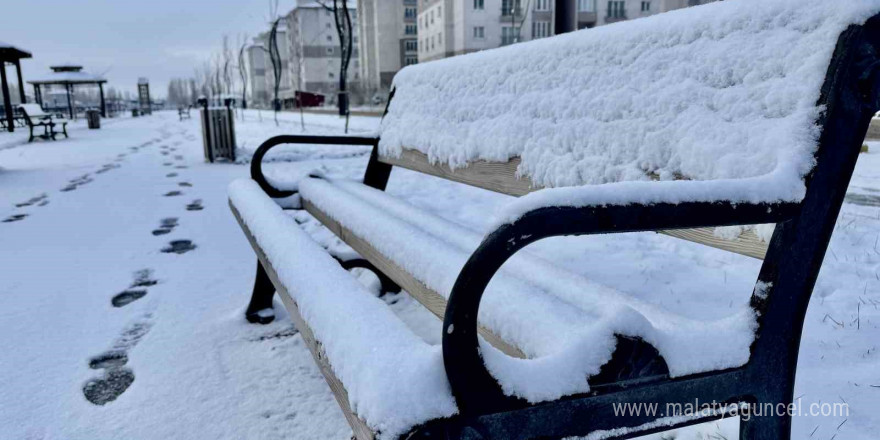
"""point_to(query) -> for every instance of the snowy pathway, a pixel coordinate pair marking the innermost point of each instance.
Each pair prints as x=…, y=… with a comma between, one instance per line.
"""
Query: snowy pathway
x=127, y=264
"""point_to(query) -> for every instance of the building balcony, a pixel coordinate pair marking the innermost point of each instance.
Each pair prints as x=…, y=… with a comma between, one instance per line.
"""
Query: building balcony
x=511, y=12
x=587, y=17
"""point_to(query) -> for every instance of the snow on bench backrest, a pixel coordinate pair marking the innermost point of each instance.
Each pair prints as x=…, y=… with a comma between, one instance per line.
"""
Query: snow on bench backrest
x=727, y=90
x=33, y=110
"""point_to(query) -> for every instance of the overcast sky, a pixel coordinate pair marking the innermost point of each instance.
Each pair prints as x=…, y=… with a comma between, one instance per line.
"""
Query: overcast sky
x=127, y=39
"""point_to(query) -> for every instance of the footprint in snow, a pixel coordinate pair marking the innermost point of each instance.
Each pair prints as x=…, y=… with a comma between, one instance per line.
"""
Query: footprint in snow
x=171, y=175
x=39, y=201
x=108, y=359
x=184, y=184
x=173, y=193
x=143, y=278
x=196, y=205
x=107, y=388
x=116, y=378
x=167, y=225
x=179, y=247
x=127, y=297
x=14, y=218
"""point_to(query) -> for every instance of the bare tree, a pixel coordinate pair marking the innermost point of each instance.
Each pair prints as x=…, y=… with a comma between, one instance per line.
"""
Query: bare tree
x=516, y=29
x=242, y=71
x=344, y=32
x=227, y=60
x=275, y=58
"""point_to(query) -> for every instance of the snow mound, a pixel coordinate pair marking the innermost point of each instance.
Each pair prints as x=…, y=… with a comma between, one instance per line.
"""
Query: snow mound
x=726, y=91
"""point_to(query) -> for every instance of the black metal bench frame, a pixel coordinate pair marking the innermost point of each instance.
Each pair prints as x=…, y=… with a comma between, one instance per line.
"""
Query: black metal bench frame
x=48, y=125
x=850, y=95
x=183, y=113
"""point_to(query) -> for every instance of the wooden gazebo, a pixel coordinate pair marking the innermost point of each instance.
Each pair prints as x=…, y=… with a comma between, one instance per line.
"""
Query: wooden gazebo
x=13, y=55
x=69, y=75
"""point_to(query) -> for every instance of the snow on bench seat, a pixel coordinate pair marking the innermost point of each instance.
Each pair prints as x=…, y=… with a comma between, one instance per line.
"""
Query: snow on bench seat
x=394, y=379
x=562, y=321
x=723, y=95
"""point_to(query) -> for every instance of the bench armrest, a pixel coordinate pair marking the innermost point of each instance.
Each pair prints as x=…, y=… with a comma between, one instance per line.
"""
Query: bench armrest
x=257, y=159
x=471, y=382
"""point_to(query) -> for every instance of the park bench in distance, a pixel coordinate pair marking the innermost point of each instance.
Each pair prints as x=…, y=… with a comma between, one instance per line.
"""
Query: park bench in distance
x=730, y=114
x=183, y=112
x=35, y=117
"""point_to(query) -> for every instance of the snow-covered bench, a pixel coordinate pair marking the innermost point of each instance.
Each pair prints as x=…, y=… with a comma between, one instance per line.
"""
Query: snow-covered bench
x=183, y=112
x=695, y=123
x=35, y=117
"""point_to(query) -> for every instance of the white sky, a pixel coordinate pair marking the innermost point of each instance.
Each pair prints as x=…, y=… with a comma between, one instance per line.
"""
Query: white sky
x=127, y=39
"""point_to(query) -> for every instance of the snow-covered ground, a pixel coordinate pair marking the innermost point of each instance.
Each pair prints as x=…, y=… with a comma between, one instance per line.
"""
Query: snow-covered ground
x=101, y=206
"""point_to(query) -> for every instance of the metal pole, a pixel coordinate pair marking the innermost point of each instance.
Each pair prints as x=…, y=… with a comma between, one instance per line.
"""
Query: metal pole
x=565, y=16
x=7, y=103
x=103, y=106
x=38, y=97
x=69, y=88
x=20, y=82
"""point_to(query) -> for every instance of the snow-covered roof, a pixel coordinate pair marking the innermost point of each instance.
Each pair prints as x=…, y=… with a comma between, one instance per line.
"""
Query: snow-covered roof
x=7, y=49
x=724, y=91
x=67, y=74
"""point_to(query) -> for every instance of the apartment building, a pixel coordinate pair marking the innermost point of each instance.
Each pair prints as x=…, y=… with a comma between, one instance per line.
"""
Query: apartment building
x=454, y=27
x=389, y=41
x=308, y=46
x=314, y=51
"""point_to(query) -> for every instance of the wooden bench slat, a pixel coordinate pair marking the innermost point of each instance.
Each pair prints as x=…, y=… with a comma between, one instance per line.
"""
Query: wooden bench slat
x=432, y=300
x=494, y=176
x=502, y=178
x=360, y=429
x=747, y=244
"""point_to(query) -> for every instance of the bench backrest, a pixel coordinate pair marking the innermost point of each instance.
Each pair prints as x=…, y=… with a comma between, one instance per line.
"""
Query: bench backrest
x=725, y=91
x=32, y=111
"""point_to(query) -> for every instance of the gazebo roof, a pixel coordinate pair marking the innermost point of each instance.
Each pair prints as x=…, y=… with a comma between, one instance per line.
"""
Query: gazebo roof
x=9, y=52
x=68, y=74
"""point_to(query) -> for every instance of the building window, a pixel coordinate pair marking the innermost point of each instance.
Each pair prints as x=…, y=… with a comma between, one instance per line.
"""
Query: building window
x=409, y=13
x=479, y=32
x=586, y=5
x=329, y=51
x=409, y=61
x=646, y=6
x=542, y=5
x=540, y=29
x=410, y=45
x=411, y=29
x=508, y=35
x=479, y=5
x=510, y=7
x=616, y=9
x=330, y=74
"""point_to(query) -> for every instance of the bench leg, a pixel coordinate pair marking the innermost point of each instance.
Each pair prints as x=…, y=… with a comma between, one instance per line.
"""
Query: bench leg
x=31, y=138
x=388, y=285
x=260, y=311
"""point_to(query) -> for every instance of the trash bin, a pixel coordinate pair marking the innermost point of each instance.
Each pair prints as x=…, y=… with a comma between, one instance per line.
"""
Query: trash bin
x=94, y=119
x=218, y=133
